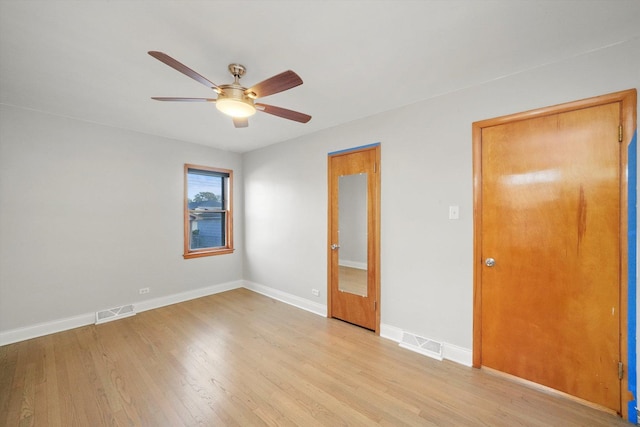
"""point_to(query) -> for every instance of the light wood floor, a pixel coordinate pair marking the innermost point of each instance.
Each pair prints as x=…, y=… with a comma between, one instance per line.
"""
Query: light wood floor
x=239, y=358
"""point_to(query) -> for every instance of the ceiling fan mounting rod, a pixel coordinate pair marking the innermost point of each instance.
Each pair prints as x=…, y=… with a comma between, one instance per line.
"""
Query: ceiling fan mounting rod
x=237, y=70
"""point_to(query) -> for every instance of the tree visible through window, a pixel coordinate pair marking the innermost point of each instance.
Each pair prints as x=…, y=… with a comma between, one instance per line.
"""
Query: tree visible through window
x=207, y=218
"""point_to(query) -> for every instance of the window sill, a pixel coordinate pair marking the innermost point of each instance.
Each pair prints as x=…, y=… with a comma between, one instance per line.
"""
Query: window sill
x=211, y=252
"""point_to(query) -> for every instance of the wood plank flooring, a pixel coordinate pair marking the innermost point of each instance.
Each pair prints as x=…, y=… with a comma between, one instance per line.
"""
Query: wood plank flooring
x=242, y=359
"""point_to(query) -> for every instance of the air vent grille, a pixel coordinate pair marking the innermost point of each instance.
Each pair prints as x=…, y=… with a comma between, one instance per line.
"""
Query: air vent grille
x=421, y=345
x=114, y=313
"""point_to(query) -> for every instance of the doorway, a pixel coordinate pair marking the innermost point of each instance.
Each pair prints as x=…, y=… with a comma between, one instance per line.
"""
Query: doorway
x=353, y=254
x=550, y=246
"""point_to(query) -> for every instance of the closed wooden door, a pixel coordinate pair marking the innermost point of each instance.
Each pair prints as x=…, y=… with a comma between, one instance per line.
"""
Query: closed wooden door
x=353, y=243
x=549, y=250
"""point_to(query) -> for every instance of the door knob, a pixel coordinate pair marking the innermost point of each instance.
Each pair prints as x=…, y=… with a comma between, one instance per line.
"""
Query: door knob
x=489, y=262
x=334, y=247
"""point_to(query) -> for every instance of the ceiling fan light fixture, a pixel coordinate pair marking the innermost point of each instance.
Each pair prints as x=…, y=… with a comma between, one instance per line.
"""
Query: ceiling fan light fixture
x=238, y=108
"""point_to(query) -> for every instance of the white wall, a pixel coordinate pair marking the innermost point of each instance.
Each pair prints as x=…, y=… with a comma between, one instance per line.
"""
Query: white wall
x=90, y=214
x=426, y=259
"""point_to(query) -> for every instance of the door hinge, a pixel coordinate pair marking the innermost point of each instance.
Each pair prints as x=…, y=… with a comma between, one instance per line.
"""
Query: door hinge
x=375, y=305
x=620, y=133
x=375, y=168
x=620, y=370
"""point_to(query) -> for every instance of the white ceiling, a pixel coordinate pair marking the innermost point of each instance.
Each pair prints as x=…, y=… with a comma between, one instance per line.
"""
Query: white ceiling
x=88, y=59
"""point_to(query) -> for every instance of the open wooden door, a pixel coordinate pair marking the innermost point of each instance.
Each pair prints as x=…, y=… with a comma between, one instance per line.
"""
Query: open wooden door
x=550, y=247
x=354, y=230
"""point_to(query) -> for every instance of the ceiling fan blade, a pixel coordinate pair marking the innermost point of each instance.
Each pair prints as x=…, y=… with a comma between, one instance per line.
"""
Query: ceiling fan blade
x=169, y=98
x=241, y=122
x=275, y=84
x=284, y=113
x=163, y=57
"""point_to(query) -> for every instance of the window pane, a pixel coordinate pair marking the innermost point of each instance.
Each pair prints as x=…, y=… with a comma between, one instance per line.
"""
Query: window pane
x=205, y=190
x=207, y=229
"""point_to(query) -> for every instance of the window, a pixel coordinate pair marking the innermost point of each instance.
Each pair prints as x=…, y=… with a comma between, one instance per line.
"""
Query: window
x=208, y=221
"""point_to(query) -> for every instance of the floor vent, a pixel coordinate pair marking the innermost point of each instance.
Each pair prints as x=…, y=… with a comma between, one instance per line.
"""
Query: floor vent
x=421, y=345
x=114, y=313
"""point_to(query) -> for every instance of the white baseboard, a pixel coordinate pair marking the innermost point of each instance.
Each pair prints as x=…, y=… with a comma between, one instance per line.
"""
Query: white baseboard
x=20, y=334
x=391, y=332
x=460, y=355
x=450, y=352
x=186, y=296
x=305, y=304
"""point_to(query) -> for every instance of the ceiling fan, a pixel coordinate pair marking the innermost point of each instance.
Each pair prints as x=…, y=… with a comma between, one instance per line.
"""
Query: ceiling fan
x=238, y=101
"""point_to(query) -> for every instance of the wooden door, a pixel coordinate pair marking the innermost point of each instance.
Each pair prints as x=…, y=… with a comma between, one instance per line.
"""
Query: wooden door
x=550, y=249
x=353, y=242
